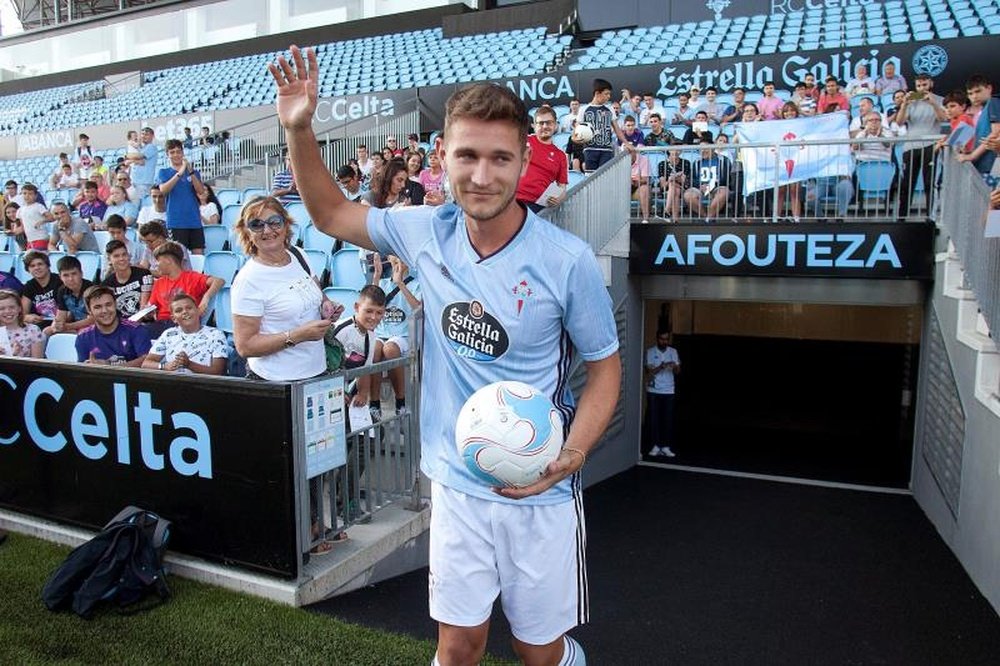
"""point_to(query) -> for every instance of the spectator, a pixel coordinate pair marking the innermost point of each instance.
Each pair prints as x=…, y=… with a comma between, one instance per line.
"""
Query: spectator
x=103, y=186
x=414, y=164
x=568, y=121
x=734, y=112
x=59, y=171
x=792, y=190
x=674, y=175
x=8, y=281
x=685, y=112
x=99, y=168
x=181, y=184
x=402, y=299
x=804, y=102
x=188, y=139
x=84, y=156
x=698, y=129
x=432, y=178
x=365, y=165
x=10, y=194
x=750, y=113
x=378, y=166
x=131, y=285
x=34, y=218
x=89, y=206
x=157, y=210
x=132, y=146
x=575, y=152
x=632, y=133
x=204, y=140
x=832, y=95
x=142, y=167
x=857, y=124
x=18, y=338
x=811, y=88
x=116, y=229
x=350, y=184
x=955, y=105
x=649, y=107
x=640, y=184
x=283, y=186
x=662, y=365
x=13, y=227
x=388, y=154
x=709, y=189
x=413, y=144
x=153, y=234
x=980, y=92
x=770, y=104
x=390, y=190
x=124, y=181
x=694, y=98
x=394, y=149
x=861, y=84
x=70, y=233
x=38, y=298
x=209, y=209
x=174, y=279
x=920, y=115
x=110, y=340
x=631, y=104
x=546, y=165
x=890, y=81
x=873, y=151
x=67, y=179
x=898, y=98
x=601, y=148
x=71, y=310
x=188, y=347
x=711, y=106
x=658, y=135
x=119, y=204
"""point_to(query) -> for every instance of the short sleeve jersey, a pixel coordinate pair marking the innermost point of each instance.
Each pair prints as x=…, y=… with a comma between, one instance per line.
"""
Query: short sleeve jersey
x=182, y=203
x=548, y=165
x=522, y=313
x=202, y=346
x=127, y=342
x=600, y=117
x=128, y=294
x=398, y=313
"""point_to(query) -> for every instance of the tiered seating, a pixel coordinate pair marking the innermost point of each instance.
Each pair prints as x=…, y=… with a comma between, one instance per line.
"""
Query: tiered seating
x=18, y=110
x=894, y=21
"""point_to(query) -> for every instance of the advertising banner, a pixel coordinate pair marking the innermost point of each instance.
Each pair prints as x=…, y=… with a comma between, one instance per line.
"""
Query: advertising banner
x=79, y=443
x=874, y=250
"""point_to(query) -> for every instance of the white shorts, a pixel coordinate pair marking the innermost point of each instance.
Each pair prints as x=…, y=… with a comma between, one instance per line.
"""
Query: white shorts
x=533, y=556
x=402, y=343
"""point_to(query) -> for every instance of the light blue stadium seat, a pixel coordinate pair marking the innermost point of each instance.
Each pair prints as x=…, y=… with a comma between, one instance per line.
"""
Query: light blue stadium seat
x=8, y=261
x=227, y=196
x=318, y=262
x=252, y=192
x=222, y=264
x=90, y=263
x=61, y=347
x=216, y=236
x=343, y=295
x=198, y=263
x=230, y=215
x=345, y=269
x=874, y=180
x=314, y=239
x=224, y=310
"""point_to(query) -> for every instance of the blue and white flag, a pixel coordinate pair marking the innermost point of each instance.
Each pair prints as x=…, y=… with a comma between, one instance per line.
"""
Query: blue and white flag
x=789, y=162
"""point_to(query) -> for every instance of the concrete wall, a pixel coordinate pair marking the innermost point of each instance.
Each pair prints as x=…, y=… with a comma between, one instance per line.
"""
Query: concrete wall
x=971, y=525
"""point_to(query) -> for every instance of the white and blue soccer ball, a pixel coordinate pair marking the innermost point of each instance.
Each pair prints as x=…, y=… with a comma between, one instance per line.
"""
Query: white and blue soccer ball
x=507, y=434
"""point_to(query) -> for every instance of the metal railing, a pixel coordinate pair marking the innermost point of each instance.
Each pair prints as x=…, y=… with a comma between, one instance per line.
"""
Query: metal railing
x=595, y=208
x=341, y=144
x=965, y=203
x=889, y=178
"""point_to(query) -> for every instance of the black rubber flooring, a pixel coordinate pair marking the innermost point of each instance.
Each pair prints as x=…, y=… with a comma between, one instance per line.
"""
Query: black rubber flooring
x=689, y=568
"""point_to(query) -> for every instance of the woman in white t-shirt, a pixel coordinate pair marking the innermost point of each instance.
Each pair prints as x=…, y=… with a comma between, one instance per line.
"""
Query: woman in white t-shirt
x=208, y=206
x=280, y=314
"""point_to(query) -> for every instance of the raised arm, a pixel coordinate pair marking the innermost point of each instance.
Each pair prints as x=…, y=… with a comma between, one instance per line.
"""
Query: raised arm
x=329, y=209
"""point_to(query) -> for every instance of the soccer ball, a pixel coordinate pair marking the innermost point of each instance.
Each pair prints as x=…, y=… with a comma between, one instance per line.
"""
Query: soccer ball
x=507, y=434
x=583, y=133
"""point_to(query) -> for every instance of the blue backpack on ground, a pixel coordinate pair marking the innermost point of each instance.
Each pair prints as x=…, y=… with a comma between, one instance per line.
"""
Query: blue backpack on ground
x=122, y=565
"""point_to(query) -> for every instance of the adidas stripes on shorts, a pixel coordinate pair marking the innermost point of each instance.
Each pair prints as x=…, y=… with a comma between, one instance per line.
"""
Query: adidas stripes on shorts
x=532, y=556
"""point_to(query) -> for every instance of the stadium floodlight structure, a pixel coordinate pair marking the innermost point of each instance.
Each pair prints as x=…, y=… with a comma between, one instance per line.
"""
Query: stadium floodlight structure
x=35, y=14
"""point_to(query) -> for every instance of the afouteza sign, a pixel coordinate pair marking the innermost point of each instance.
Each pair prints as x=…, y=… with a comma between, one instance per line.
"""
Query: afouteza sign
x=79, y=443
x=903, y=250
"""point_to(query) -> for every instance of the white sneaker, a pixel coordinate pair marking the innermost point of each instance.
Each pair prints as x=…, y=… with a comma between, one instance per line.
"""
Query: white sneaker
x=655, y=451
x=665, y=451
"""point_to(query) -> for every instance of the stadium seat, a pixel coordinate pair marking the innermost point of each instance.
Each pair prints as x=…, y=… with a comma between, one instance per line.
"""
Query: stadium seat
x=90, y=263
x=222, y=264
x=227, y=197
x=8, y=261
x=874, y=181
x=198, y=263
x=216, y=237
x=230, y=215
x=224, y=310
x=252, y=192
x=61, y=347
x=318, y=263
x=314, y=239
x=345, y=269
x=343, y=295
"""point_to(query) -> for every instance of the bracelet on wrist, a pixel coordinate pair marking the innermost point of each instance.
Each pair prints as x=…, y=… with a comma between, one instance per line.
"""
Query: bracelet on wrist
x=582, y=454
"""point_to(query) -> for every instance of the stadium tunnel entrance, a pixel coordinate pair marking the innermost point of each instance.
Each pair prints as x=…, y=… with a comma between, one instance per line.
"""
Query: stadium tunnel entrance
x=790, y=388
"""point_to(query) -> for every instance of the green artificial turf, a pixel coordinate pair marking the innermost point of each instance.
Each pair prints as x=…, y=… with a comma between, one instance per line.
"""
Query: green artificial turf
x=200, y=624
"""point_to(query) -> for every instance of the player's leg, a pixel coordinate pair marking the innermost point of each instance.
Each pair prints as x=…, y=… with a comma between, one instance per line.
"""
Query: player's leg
x=540, y=553
x=463, y=578
x=564, y=651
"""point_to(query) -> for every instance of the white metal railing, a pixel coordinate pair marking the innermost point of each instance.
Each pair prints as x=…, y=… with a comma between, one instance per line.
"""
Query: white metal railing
x=964, y=206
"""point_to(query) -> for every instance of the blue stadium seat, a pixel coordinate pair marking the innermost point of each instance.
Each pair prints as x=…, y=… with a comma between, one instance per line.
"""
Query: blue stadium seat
x=90, y=263
x=343, y=295
x=345, y=269
x=8, y=261
x=61, y=347
x=230, y=215
x=227, y=196
x=222, y=264
x=224, y=311
x=318, y=262
x=314, y=239
x=874, y=180
x=216, y=237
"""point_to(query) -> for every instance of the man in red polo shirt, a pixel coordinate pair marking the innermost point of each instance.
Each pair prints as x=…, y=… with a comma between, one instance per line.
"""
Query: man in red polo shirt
x=548, y=164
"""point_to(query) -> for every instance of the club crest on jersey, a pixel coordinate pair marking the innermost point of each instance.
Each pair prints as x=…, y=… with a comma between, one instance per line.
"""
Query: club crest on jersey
x=521, y=291
x=474, y=333
x=393, y=315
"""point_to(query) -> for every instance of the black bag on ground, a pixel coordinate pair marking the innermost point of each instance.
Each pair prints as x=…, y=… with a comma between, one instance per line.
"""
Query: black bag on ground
x=122, y=564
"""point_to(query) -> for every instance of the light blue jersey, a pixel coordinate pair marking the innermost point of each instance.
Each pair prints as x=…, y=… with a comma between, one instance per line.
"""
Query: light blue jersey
x=519, y=314
x=398, y=313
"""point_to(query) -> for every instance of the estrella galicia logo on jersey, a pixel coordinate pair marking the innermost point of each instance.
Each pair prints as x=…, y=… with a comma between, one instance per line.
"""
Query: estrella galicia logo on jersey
x=393, y=315
x=473, y=332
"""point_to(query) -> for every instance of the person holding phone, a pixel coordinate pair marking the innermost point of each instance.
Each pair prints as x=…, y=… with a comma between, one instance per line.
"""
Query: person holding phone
x=920, y=116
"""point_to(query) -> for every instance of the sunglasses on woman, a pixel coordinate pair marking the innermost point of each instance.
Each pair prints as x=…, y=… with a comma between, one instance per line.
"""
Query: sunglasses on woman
x=274, y=222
